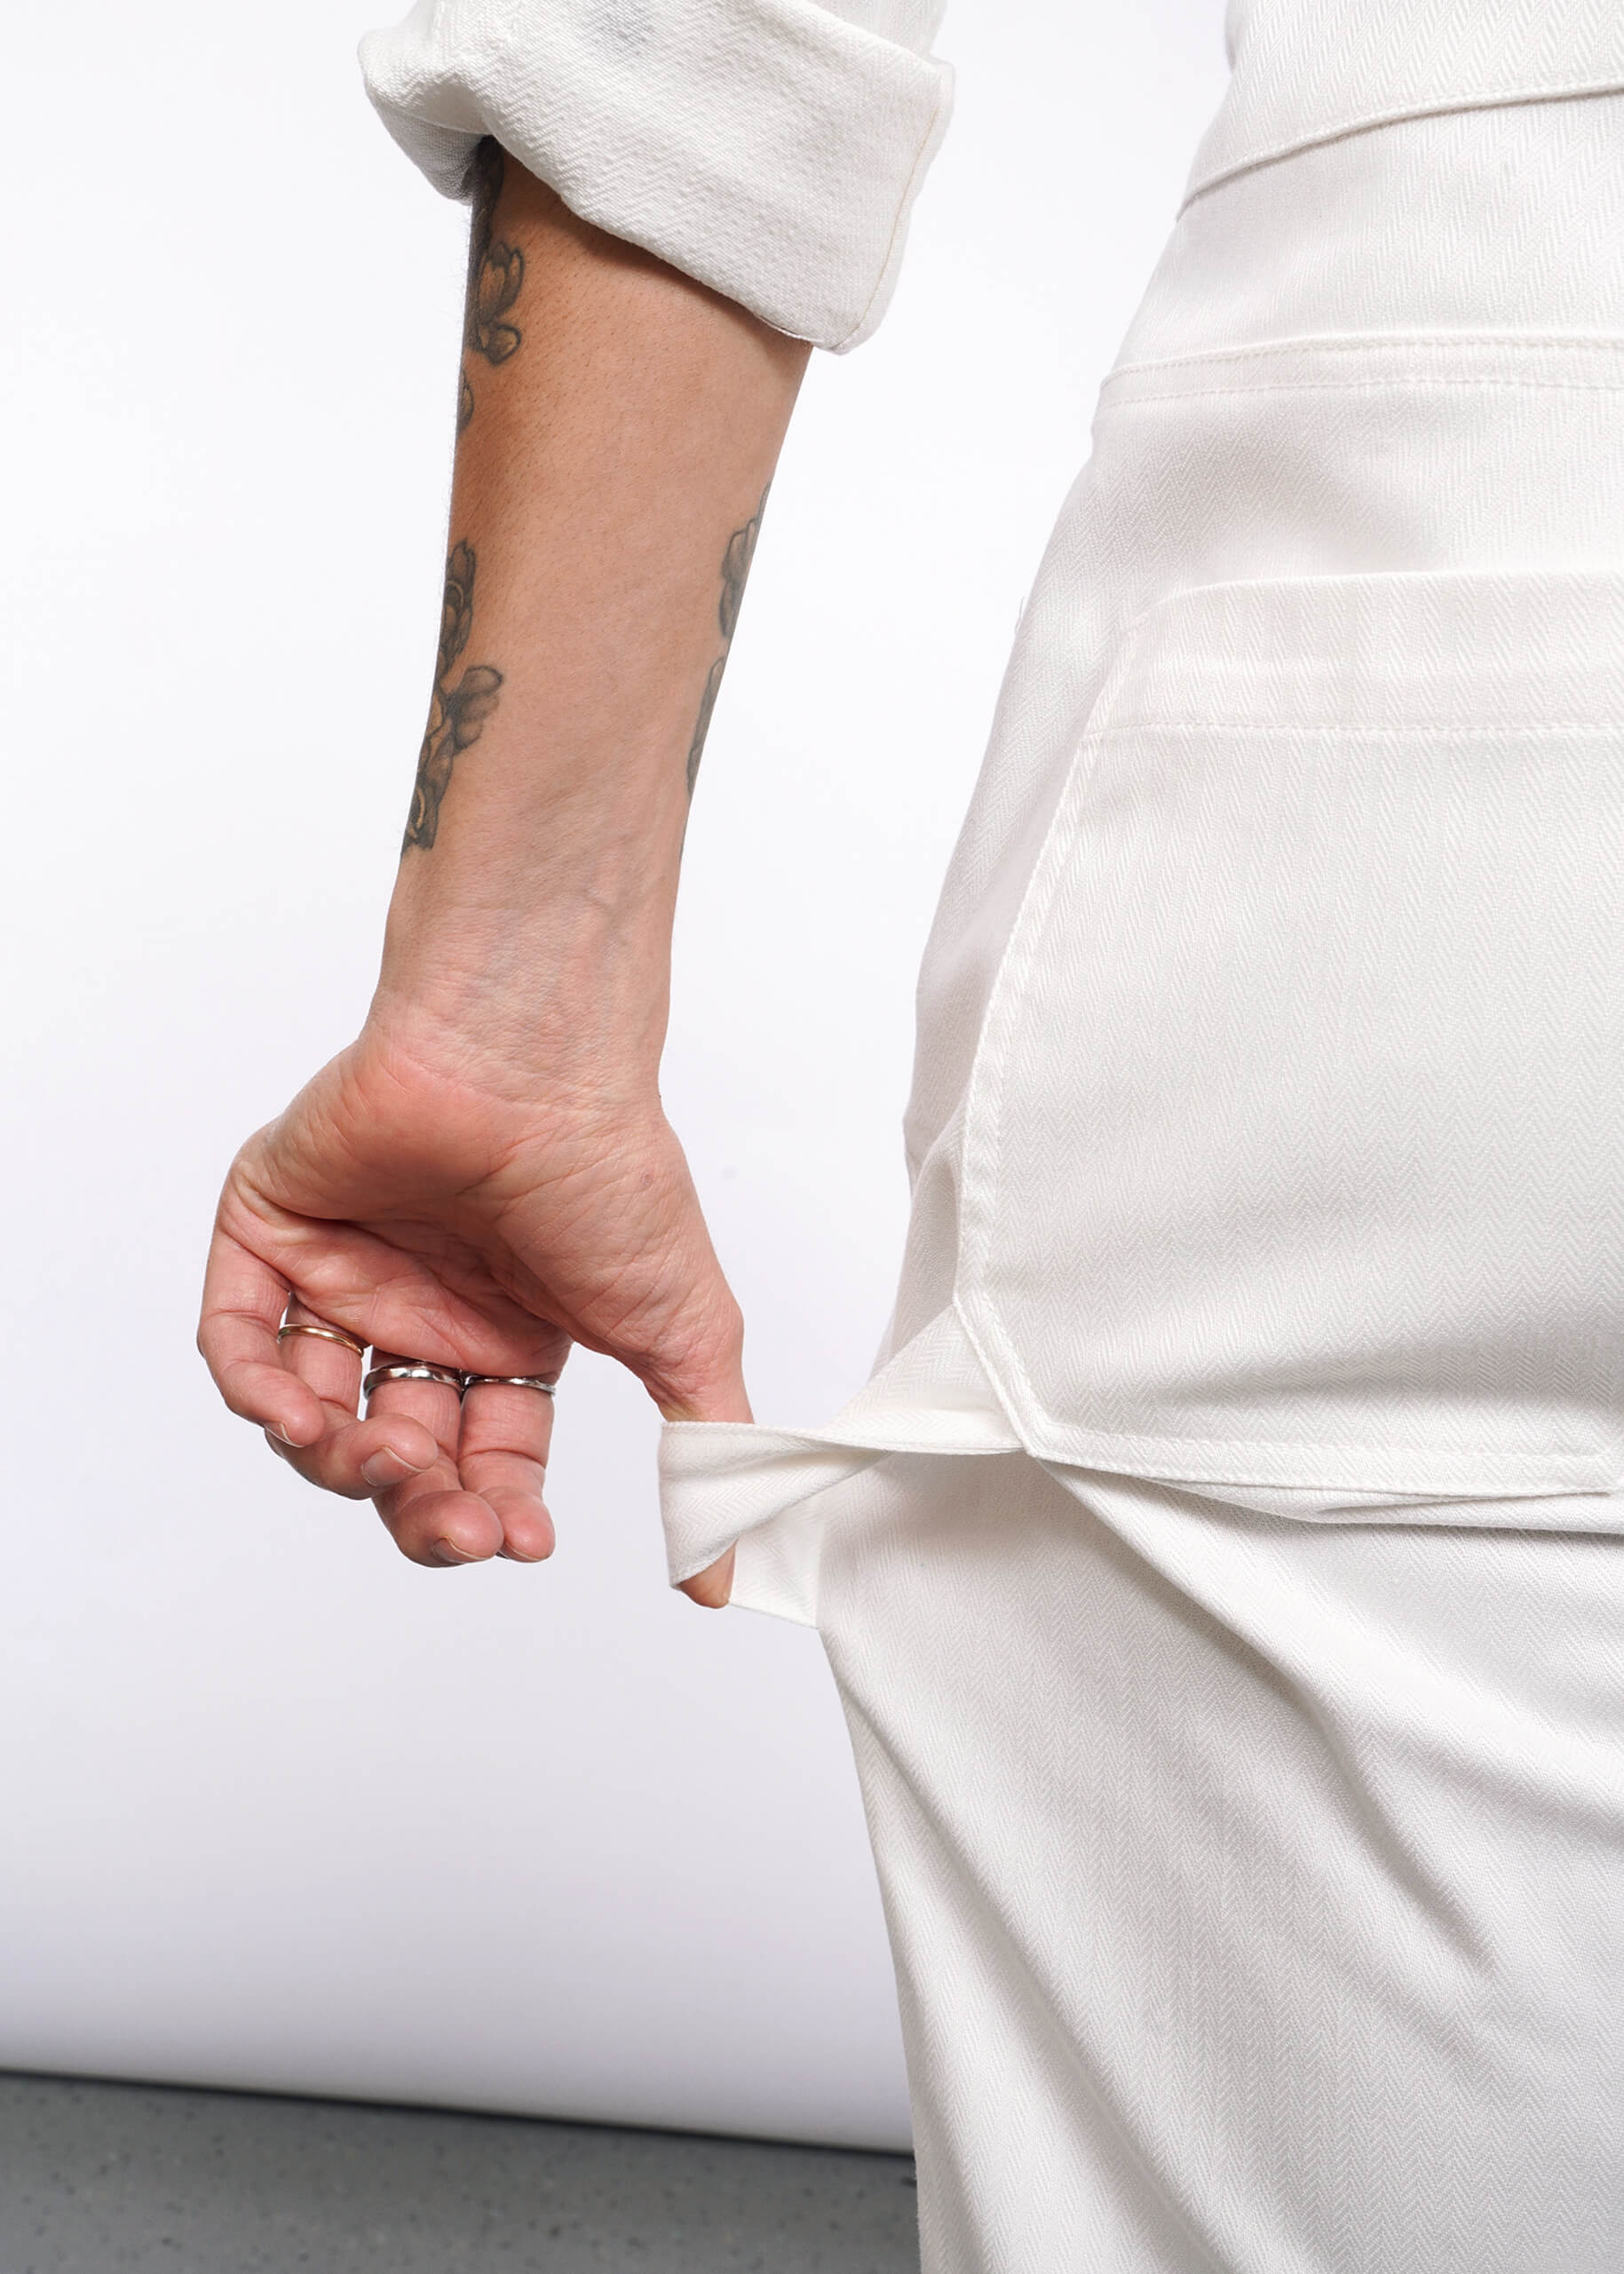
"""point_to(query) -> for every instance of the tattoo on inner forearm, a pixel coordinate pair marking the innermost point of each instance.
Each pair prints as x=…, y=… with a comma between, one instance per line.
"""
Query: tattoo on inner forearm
x=735, y=568
x=456, y=714
x=495, y=278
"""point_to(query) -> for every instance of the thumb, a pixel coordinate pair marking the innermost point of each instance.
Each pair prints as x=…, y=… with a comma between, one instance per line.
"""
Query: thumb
x=695, y=1370
x=714, y=1393
x=712, y=1587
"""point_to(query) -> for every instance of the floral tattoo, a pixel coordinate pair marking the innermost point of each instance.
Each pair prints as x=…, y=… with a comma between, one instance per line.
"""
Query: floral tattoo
x=456, y=714
x=496, y=279
x=735, y=568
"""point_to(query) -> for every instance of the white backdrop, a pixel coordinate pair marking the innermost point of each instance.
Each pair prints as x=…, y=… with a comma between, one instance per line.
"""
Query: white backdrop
x=275, y=1807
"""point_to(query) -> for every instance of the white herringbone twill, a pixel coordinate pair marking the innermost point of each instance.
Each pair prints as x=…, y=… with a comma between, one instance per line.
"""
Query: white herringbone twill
x=1224, y=1574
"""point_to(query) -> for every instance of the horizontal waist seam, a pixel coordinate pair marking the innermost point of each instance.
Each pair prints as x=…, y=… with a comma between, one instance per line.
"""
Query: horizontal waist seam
x=1432, y=107
x=1129, y=725
x=1432, y=339
x=1414, y=383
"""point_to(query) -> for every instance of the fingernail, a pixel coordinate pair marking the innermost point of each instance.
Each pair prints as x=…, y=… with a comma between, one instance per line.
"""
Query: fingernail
x=388, y=1467
x=450, y=1552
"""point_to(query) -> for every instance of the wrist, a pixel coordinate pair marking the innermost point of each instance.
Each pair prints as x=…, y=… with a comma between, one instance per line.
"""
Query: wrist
x=548, y=893
x=575, y=996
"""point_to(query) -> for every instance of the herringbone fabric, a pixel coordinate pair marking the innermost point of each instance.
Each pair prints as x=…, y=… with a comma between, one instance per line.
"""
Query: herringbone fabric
x=1224, y=1575
x=770, y=148
x=1265, y=1119
x=1255, y=1887
x=1303, y=74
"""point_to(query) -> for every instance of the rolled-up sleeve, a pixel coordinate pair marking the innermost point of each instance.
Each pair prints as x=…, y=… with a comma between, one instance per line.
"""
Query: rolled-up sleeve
x=769, y=148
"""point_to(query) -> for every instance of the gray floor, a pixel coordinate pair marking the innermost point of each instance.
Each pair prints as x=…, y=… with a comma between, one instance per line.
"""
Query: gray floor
x=121, y=2179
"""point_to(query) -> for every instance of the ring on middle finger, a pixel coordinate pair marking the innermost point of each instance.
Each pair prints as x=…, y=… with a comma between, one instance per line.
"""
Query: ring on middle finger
x=412, y=1370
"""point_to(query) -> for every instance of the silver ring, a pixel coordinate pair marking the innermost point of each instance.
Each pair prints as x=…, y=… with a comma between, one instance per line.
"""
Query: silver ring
x=514, y=1382
x=418, y=1370
x=323, y=1334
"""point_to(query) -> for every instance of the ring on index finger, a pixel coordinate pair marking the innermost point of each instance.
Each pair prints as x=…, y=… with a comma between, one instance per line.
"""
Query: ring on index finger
x=547, y=1388
x=323, y=1333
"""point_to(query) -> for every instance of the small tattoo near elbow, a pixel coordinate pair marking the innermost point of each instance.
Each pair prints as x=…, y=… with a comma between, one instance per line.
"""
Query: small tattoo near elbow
x=496, y=279
x=456, y=714
x=735, y=570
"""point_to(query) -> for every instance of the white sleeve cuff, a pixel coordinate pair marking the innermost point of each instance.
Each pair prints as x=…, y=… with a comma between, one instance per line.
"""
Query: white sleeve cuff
x=769, y=148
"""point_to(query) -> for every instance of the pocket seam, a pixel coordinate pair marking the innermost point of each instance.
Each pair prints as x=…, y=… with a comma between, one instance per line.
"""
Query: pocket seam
x=1423, y=1470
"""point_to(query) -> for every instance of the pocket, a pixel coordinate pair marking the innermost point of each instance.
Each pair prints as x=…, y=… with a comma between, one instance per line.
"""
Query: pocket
x=1294, y=1153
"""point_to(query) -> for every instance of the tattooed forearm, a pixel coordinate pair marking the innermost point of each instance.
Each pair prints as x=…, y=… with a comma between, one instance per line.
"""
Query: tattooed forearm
x=456, y=714
x=735, y=567
x=495, y=278
x=702, y=724
x=495, y=269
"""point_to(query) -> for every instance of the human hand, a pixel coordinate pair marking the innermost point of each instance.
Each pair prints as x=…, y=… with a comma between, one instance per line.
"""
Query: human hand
x=419, y=1199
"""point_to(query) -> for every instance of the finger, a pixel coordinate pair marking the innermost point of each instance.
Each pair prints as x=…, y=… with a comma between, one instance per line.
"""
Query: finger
x=359, y=1458
x=243, y=1301
x=713, y=1586
x=425, y=1417
x=354, y=1458
x=431, y=1519
x=701, y=1374
x=332, y=1368
x=506, y=1436
x=437, y=1405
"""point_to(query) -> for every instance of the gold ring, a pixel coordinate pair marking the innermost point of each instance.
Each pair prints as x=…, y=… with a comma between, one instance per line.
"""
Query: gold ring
x=514, y=1382
x=323, y=1334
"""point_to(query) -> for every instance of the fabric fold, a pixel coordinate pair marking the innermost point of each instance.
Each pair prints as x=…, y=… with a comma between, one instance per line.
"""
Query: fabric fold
x=722, y=1483
x=771, y=149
